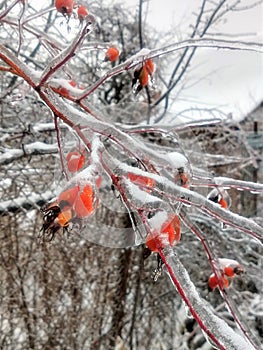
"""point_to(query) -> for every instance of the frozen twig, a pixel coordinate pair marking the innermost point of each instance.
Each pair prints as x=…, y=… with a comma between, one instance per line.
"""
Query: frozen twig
x=20, y=68
x=217, y=330
x=239, y=184
x=232, y=309
x=8, y=9
x=67, y=53
x=176, y=193
x=146, y=54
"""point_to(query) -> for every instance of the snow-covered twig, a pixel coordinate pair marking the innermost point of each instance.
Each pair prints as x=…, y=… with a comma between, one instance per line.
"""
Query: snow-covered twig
x=218, y=331
x=69, y=52
x=232, y=309
x=145, y=54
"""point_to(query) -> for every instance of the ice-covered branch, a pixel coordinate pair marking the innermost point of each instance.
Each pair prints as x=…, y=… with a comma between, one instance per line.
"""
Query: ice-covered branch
x=196, y=43
x=214, y=262
x=63, y=57
x=81, y=121
x=227, y=182
x=167, y=128
x=184, y=195
x=219, y=332
x=208, y=43
x=8, y=9
x=21, y=69
x=239, y=222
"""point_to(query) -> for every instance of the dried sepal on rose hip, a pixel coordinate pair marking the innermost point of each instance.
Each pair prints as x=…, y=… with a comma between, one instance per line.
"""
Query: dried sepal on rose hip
x=65, y=7
x=72, y=205
x=220, y=196
x=141, y=75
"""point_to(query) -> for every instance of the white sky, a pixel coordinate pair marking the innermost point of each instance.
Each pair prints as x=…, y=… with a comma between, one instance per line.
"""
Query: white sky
x=233, y=80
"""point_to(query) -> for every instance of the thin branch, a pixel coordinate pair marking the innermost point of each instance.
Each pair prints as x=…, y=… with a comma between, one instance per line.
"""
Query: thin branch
x=172, y=84
x=2, y=15
x=65, y=55
x=227, y=182
x=145, y=54
x=140, y=24
x=218, y=331
x=178, y=194
x=211, y=259
x=63, y=168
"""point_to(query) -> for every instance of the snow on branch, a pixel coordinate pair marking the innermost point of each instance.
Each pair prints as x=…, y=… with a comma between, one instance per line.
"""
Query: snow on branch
x=176, y=193
x=34, y=148
x=224, y=337
x=69, y=52
x=227, y=182
x=145, y=54
x=21, y=69
x=214, y=210
x=138, y=150
x=253, y=187
x=208, y=43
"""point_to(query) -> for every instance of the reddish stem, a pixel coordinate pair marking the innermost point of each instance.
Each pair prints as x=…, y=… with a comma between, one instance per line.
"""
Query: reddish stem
x=187, y=301
x=8, y=9
x=195, y=230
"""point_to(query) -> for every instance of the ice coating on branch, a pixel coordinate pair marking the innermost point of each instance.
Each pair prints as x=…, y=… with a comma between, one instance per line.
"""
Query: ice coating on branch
x=247, y=185
x=63, y=57
x=226, y=336
x=79, y=118
x=141, y=198
x=84, y=176
x=143, y=52
x=67, y=86
x=97, y=148
x=138, y=57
